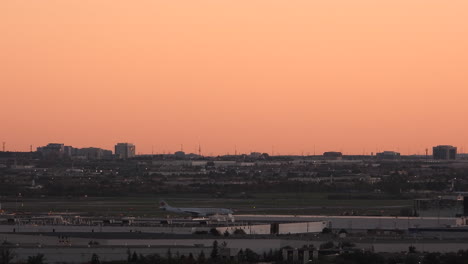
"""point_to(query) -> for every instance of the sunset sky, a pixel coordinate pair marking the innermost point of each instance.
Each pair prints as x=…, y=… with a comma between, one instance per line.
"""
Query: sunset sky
x=356, y=76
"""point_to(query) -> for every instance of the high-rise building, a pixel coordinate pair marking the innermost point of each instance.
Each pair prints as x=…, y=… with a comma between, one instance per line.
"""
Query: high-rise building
x=125, y=150
x=444, y=152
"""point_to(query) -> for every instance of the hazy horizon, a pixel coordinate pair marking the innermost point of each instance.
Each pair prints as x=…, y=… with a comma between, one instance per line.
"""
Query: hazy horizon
x=352, y=76
x=195, y=149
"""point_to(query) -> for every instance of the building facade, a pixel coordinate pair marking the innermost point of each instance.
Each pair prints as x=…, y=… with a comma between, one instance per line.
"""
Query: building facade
x=125, y=150
x=52, y=151
x=444, y=152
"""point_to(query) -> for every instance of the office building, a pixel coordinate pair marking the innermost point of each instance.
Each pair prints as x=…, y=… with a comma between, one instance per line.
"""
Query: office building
x=52, y=150
x=124, y=150
x=444, y=152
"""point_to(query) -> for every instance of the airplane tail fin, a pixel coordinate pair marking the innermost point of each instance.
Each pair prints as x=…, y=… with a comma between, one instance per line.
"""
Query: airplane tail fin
x=163, y=204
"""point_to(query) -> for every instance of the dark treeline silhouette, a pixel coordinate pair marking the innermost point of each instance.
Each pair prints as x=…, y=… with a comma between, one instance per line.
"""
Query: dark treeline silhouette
x=245, y=256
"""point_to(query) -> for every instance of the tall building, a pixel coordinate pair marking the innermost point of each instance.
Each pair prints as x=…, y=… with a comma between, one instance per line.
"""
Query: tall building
x=444, y=152
x=125, y=150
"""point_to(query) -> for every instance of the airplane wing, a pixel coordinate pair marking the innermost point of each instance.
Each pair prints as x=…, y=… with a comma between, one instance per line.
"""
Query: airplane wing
x=195, y=212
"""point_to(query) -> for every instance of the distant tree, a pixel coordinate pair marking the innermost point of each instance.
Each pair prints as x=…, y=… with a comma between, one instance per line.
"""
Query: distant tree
x=134, y=257
x=412, y=259
x=93, y=242
x=153, y=259
x=347, y=244
x=215, y=250
x=143, y=259
x=6, y=255
x=129, y=256
x=360, y=258
x=240, y=256
x=223, y=245
x=201, y=258
x=215, y=232
x=343, y=231
x=38, y=259
x=412, y=249
x=95, y=259
x=169, y=255
x=239, y=231
x=327, y=245
x=190, y=259
x=463, y=254
x=226, y=233
x=395, y=260
x=434, y=258
x=251, y=256
x=268, y=256
x=326, y=230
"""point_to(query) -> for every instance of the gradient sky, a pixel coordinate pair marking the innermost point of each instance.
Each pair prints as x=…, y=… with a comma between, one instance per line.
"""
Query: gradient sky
x=353, y=76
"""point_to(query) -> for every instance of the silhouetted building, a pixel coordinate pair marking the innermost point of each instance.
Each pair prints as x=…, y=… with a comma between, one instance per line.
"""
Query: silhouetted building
x=52, y=150
x=444, y=152
x=69, y=151
x=255, y=154
x=179, y=154
x=333, y=155
x=391, y=155
x=125, y=150
x=94, y=153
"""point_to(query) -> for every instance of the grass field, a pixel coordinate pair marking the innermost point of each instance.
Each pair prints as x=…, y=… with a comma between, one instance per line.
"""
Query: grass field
x=261, y=203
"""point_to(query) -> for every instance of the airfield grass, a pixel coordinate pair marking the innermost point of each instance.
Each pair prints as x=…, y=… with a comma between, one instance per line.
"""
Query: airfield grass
x=259, y=203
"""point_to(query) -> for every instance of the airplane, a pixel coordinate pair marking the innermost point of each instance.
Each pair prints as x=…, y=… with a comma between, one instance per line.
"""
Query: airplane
x=196, y=212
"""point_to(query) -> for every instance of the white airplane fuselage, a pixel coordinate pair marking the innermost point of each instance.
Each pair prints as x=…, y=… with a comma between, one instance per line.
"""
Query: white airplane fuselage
x=194, y=211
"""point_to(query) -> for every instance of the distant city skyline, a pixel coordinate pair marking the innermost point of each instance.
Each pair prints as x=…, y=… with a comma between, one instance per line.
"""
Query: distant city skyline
x=239, y=150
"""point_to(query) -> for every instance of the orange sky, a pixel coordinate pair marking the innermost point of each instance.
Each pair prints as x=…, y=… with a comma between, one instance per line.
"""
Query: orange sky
x=353, y=76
